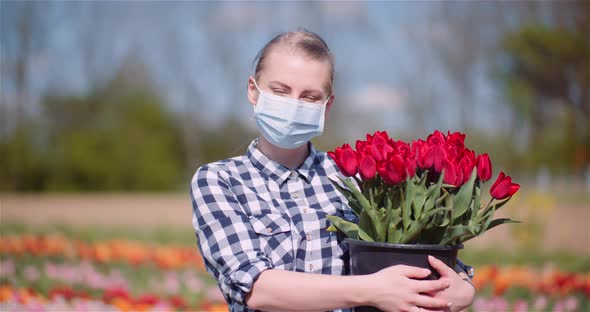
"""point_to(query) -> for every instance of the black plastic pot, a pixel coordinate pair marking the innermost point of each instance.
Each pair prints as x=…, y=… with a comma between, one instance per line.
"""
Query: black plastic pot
x=370, y=257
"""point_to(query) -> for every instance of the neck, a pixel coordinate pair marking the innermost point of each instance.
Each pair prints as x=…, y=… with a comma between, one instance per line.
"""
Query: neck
x=290, y=158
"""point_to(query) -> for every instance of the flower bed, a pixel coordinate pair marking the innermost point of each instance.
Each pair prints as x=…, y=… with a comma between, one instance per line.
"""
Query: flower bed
x=55, y=272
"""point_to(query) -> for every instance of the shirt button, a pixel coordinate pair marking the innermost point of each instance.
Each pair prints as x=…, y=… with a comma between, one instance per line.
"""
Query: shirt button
x=269, y=230
x=296, y=195
x=293, y=175
x=310, y=267
x=304, y=210
x=308, y=237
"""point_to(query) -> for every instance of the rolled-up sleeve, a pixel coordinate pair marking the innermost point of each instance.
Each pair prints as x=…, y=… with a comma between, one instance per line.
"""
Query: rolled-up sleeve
x=229, y=245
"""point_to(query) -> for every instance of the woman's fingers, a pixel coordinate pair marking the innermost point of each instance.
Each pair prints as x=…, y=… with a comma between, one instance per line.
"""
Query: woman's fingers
x=425, y=301
x=422, y=309
x=429, y=286
x=440, y=266
x=412, y=272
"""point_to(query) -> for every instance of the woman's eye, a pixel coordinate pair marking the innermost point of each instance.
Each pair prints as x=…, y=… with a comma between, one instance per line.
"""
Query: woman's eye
x=311, y=98
x=279, y=91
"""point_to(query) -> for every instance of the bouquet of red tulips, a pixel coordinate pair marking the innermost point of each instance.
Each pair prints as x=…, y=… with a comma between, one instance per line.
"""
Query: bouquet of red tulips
x=423, y=192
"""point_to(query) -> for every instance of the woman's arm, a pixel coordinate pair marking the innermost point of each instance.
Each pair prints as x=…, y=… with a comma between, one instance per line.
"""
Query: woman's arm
x=391, y=289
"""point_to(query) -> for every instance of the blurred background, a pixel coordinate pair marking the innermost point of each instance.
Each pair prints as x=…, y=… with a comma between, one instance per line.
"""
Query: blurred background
x=108, y=108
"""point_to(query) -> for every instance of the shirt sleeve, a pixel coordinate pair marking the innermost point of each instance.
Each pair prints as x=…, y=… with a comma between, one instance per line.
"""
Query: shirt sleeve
x=462, y=267
x=229, y=245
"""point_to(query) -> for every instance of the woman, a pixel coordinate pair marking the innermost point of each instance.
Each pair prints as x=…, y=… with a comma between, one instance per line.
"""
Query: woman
x=260, y=219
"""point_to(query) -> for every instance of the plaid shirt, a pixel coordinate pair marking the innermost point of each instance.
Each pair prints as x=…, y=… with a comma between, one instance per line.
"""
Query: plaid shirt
x=251, y=214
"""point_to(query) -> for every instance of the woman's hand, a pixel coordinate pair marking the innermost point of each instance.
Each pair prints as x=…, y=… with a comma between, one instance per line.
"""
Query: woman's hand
x=395, y=289
x=460, y=292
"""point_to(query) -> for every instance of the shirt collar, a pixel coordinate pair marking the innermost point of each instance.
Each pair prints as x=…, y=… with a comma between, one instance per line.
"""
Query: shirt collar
x=279, y=172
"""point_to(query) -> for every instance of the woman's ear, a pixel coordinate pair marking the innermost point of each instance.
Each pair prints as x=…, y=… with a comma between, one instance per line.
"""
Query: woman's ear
x=252, y=91
x=329, y=104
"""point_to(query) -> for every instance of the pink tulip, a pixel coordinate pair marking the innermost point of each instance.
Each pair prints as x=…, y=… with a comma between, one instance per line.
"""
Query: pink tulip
x=520, y=306
x=31, y=273
x=571, y=303
x=540, y=303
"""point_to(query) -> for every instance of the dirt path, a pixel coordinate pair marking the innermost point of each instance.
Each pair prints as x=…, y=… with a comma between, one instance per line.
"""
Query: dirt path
x=568, y=226
x=99, y=209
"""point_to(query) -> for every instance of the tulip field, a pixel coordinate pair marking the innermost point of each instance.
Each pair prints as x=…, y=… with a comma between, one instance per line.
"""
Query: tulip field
x=97, y=267
x=58, y=272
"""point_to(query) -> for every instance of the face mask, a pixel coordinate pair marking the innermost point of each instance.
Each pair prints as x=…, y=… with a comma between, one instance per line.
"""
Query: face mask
x=288, y=123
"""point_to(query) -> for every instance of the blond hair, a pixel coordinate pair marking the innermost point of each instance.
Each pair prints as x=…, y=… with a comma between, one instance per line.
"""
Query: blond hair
x=311, y=44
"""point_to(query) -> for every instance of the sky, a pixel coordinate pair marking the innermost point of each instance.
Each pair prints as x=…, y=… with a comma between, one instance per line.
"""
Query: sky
x=199, y=56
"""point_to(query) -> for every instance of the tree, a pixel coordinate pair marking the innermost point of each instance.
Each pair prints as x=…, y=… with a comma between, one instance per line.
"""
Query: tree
x=546, y=73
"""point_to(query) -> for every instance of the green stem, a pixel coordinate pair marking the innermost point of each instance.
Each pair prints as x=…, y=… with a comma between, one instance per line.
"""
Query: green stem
x=485, y=210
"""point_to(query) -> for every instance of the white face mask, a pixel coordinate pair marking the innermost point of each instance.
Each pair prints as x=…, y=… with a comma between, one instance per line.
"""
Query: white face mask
x=288, y=123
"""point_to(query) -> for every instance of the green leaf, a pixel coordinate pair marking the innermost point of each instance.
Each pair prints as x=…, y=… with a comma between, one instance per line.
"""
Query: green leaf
x=491, y=209
x=382, y=224
x=379, y=195
x=442, y=220
x=363, y=201
x=366, y=224
x=455, y=232
x=497, y=222
x=419, y=198
x=349, y=229
x=463, y=198
x=434, y=211
x=355, y=205
x=346, y=192
x=412, y=233
x=407, y=204
x=442, y=198
x=364, y=236
x=472, y=214
x=500, y=204
x=433, y=193
x=394, y=232
x=359, y=183
x=349, y=195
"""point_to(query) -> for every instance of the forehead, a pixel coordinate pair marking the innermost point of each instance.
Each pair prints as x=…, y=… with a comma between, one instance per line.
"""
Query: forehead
x=294, y=68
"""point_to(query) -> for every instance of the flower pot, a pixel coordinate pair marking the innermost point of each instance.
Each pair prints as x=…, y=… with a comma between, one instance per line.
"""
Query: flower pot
x=370, y=257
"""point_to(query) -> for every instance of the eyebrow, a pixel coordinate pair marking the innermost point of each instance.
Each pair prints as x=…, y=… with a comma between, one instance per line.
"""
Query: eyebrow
x=282, y=85
x=289, y=88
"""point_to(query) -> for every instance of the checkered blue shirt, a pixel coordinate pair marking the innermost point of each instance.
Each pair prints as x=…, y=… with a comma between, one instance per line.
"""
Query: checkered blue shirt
x=251, y=214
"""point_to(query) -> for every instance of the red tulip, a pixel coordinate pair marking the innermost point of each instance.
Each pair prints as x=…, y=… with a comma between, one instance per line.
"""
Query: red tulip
x=360, y=145
x=377, y=152
x=435, y=154
x=393, y=171
x=484, y=167
x=436, y=138
x=451, y=174
x=367, y=167
x=177, y=302
x=503, y=187
x=345, y=159
x=419, y=148
x=465, y=165
x=456, y=139
x=402, y=148
x=349, y=163
x=379, y=137
x=411, y=166
x=147, y=299
x=380, y=147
